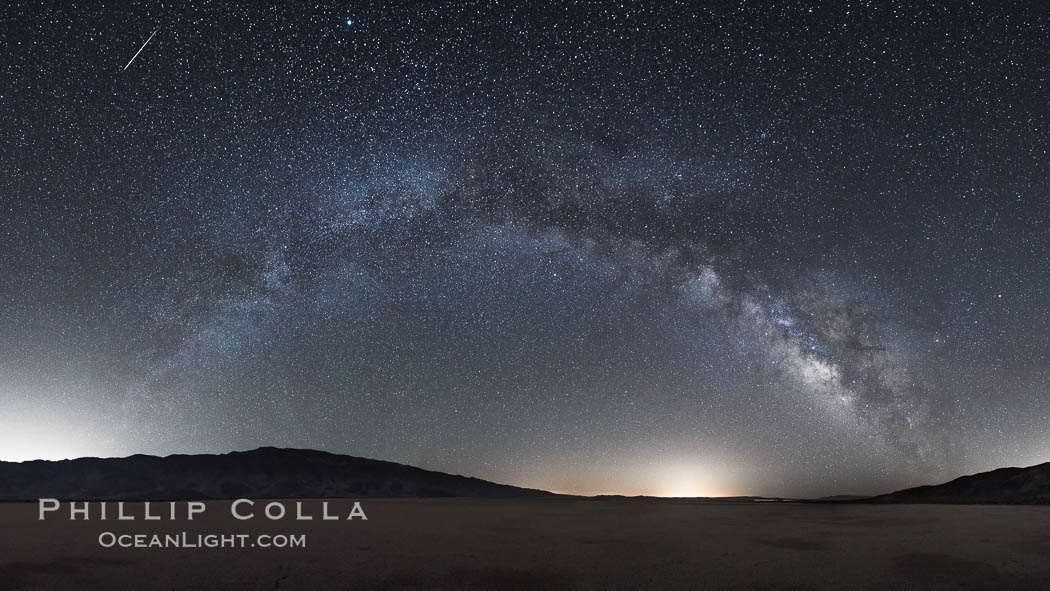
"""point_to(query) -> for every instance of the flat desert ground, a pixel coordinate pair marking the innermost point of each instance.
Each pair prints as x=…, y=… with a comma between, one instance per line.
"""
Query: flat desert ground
x=553, y=544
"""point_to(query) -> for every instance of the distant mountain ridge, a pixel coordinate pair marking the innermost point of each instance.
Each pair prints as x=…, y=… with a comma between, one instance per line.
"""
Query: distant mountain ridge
x=269, y=472
x=1018, y=486
x=266, y=472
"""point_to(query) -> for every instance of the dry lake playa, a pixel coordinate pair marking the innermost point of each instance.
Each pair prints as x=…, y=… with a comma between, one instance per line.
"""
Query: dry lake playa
x=549, y=544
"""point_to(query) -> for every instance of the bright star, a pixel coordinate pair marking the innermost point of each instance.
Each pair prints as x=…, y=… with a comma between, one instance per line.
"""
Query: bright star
x=349, y=22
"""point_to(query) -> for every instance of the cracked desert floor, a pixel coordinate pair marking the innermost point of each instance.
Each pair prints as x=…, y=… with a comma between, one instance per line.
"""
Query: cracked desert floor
x=551, y=544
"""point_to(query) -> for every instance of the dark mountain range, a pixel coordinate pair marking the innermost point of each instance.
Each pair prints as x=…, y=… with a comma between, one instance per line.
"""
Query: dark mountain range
x=1003, y=486
x=262, y=473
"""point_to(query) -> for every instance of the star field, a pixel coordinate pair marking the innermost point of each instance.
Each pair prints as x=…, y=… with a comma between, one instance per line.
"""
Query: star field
x=642, y=248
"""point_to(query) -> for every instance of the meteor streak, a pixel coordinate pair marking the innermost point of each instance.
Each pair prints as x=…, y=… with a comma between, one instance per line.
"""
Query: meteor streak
x=140, y=50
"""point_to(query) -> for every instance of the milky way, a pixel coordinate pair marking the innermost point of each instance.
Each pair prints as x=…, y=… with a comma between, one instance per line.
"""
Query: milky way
x=649, y=249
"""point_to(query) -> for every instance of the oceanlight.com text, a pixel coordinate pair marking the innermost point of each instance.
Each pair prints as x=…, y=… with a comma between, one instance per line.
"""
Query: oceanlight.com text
x=188, y=540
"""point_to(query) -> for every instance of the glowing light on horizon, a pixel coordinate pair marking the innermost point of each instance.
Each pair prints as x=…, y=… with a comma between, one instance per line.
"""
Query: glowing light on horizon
x=22, y=441
x=51, y=434
x=685, y=480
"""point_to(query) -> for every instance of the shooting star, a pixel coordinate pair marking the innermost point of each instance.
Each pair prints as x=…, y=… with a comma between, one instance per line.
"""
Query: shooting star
x=140, y=50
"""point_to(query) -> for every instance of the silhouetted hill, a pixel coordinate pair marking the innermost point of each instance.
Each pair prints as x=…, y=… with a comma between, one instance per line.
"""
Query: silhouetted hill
x=262, y=473
x=1003, y=486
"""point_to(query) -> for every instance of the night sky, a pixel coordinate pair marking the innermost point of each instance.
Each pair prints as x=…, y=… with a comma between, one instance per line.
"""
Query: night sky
x=664, y=248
